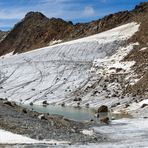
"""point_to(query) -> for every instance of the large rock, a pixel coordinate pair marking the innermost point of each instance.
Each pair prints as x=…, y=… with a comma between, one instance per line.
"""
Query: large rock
x=45, y=103
x=144, y=105
x=12, y=104
x=105, y=120
x=103, y=108
x=42, y=117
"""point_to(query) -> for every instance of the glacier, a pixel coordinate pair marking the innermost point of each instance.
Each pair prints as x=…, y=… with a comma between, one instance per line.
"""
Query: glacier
x=61, y=72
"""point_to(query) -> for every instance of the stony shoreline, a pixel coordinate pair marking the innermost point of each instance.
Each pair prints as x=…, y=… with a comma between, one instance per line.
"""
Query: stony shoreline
x=18, y=120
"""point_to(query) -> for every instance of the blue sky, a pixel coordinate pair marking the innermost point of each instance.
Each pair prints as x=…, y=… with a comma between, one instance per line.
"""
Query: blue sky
x=12, y=11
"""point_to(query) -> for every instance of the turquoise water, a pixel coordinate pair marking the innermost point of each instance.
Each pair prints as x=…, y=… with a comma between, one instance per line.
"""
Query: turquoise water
x=77, y=114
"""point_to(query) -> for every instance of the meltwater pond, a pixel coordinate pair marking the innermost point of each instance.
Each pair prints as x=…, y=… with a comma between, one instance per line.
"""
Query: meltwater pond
x=77, y=114
x=73, y=113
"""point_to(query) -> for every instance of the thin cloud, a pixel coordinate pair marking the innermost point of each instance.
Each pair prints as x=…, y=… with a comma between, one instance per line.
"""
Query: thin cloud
x=12, y=14
x=103, y=1
x=88, y=11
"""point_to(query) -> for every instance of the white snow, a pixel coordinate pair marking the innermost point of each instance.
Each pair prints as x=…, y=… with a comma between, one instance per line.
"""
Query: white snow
x=60, y=72
x=126, y=132
x=135, y=106
x=11, y=138
x=123, y=133
x=144, y=48
x=88, y=132
x=54, y=42
x=8, y=137
x=7, y=55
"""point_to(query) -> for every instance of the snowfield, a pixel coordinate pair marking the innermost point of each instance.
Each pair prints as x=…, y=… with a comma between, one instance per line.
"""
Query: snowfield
x=10, y=138
x=124, y=133
x=63, y=72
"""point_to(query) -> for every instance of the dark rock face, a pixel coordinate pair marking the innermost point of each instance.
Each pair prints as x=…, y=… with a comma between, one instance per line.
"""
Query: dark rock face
x=3, y=34
x=36, y=30
x=103, y=108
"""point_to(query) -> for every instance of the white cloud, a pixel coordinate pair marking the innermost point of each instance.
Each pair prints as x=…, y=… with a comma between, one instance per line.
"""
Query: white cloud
x=11, y=14
x=88, y=11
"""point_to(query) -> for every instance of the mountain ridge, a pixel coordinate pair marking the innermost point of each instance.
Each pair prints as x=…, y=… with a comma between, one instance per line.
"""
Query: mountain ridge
x=36, y=30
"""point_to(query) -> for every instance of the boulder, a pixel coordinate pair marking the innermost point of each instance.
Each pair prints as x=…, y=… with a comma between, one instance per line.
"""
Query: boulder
x=24, y=110
x=103, y=108
x=63, y=104
x=144, y=105
x=45, y=103
x=126, y=105
x=91, y=120
x=77, y=99
x=87, y=105
x=105, y=120
x=42, y=117
x=31, y=103
x=9, y=103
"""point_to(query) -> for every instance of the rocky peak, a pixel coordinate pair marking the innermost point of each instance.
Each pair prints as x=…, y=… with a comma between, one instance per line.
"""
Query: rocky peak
x=142, y=7
x=32, y=14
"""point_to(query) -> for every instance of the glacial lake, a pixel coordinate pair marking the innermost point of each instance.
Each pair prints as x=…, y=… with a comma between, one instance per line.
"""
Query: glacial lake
x=73, y=113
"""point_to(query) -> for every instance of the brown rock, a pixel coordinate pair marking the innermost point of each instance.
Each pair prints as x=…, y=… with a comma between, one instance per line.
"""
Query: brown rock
x=105, y=120
x=103, y=108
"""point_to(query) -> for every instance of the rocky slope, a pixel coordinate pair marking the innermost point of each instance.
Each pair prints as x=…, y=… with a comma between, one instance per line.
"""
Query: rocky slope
x=139, y=54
